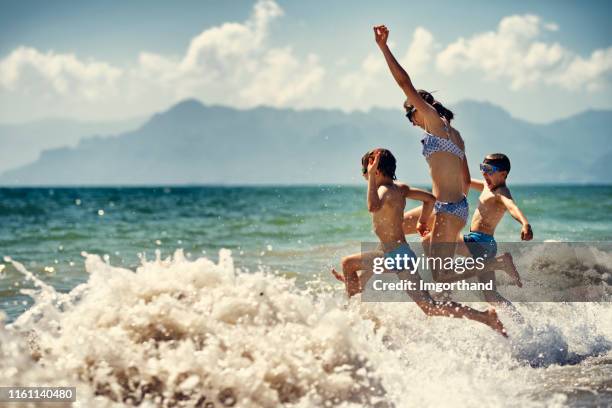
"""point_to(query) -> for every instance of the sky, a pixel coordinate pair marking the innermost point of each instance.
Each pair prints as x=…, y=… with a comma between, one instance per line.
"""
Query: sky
x=109, y=60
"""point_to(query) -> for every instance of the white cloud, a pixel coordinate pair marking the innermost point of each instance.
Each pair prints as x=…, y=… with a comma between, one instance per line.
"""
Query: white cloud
x=36, y=73
x=231, y=40
x=281, y=77
x=235, y=64
x=592, y=73
x=514, y=53
x=357, y=83
x=231, y=63
x=373, y=70
x=551, y=26
x=420, y=52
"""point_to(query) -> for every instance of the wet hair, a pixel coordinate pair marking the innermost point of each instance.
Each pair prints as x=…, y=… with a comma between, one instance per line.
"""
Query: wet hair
x=386, y=164
x=499, y=160
x=427, y=97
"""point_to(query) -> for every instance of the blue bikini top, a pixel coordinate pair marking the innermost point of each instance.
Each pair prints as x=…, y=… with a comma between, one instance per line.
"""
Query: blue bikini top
x=432, y=144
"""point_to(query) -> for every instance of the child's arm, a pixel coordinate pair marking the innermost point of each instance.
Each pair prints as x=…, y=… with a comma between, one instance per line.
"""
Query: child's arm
x=381, y=33
x=428, y=200
x=517, y=214
x=477, y=184
x=374, y=200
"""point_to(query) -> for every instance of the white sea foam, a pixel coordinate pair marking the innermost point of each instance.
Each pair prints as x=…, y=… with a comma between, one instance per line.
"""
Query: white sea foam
x=177, y=332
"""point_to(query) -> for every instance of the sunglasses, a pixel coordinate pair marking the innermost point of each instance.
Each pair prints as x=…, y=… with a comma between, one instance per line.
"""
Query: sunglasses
x=489, y=169
x=410, y=113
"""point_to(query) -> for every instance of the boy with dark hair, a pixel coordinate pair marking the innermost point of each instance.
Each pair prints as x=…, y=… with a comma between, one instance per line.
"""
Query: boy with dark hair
x=495, y=199
x=386, y=200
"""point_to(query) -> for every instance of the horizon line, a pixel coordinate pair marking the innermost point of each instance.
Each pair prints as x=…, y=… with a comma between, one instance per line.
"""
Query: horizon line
x=268, y=185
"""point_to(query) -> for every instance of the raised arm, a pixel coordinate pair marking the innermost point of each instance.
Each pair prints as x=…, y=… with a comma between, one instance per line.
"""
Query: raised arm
x=517, y=214
x=477, y=184
x=375, y=201
x=381, y=34
x=428, y=200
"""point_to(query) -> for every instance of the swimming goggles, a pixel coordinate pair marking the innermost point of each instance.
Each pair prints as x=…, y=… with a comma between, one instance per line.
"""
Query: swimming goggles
x=489, y=169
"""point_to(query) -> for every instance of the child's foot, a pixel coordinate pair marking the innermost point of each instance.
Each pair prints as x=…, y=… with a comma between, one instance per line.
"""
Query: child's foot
x=337, y=275
x=351, y=282
x=510, y=269
x=353, y=285
x=493, y=321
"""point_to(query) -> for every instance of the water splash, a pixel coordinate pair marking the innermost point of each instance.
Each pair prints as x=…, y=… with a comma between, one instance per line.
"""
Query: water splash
x=179, y=332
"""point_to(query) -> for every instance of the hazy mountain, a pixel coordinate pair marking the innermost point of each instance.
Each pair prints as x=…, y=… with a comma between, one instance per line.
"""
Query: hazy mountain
x=22, y=143
x=196, y=144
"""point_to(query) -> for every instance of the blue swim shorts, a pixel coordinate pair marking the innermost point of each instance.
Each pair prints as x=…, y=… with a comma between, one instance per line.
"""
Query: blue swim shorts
x=481, y=245
x=403, y=249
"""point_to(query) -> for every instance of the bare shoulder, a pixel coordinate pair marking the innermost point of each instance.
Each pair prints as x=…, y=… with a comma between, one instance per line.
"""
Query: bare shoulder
x=503, y=191
x=383, y=191
x=402, y=187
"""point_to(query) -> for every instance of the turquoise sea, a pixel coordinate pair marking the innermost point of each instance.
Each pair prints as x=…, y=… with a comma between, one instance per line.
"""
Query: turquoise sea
x=61, y=245
x=299, y=231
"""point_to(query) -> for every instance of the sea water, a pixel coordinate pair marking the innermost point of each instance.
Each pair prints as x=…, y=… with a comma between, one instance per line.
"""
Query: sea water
x=187, y=296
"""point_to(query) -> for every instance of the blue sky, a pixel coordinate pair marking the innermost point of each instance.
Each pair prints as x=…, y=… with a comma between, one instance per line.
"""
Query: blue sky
x=114, y=59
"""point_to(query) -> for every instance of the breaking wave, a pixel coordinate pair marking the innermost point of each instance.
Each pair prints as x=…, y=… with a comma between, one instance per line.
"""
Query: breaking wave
x=181, y=332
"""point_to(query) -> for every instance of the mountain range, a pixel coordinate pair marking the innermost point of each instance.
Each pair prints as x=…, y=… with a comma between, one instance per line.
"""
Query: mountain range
x=22, y=143
x=192, y=143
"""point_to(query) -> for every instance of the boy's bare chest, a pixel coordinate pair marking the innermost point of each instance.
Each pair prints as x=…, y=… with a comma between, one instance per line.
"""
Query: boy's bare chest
x=488, y=202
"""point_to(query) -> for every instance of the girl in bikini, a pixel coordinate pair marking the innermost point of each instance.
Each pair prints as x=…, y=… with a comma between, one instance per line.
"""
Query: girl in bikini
x=444, y=151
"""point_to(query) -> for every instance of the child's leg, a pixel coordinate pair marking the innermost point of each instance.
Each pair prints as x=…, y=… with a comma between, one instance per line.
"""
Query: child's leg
x=496, y=299
x=504, y=263
x=450, y=309
x=491, y=296
x=443, y=244
x=351, y=265
x=411, y=218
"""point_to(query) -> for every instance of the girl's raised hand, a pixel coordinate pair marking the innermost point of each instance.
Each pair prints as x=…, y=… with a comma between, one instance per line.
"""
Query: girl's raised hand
x=381, y=33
